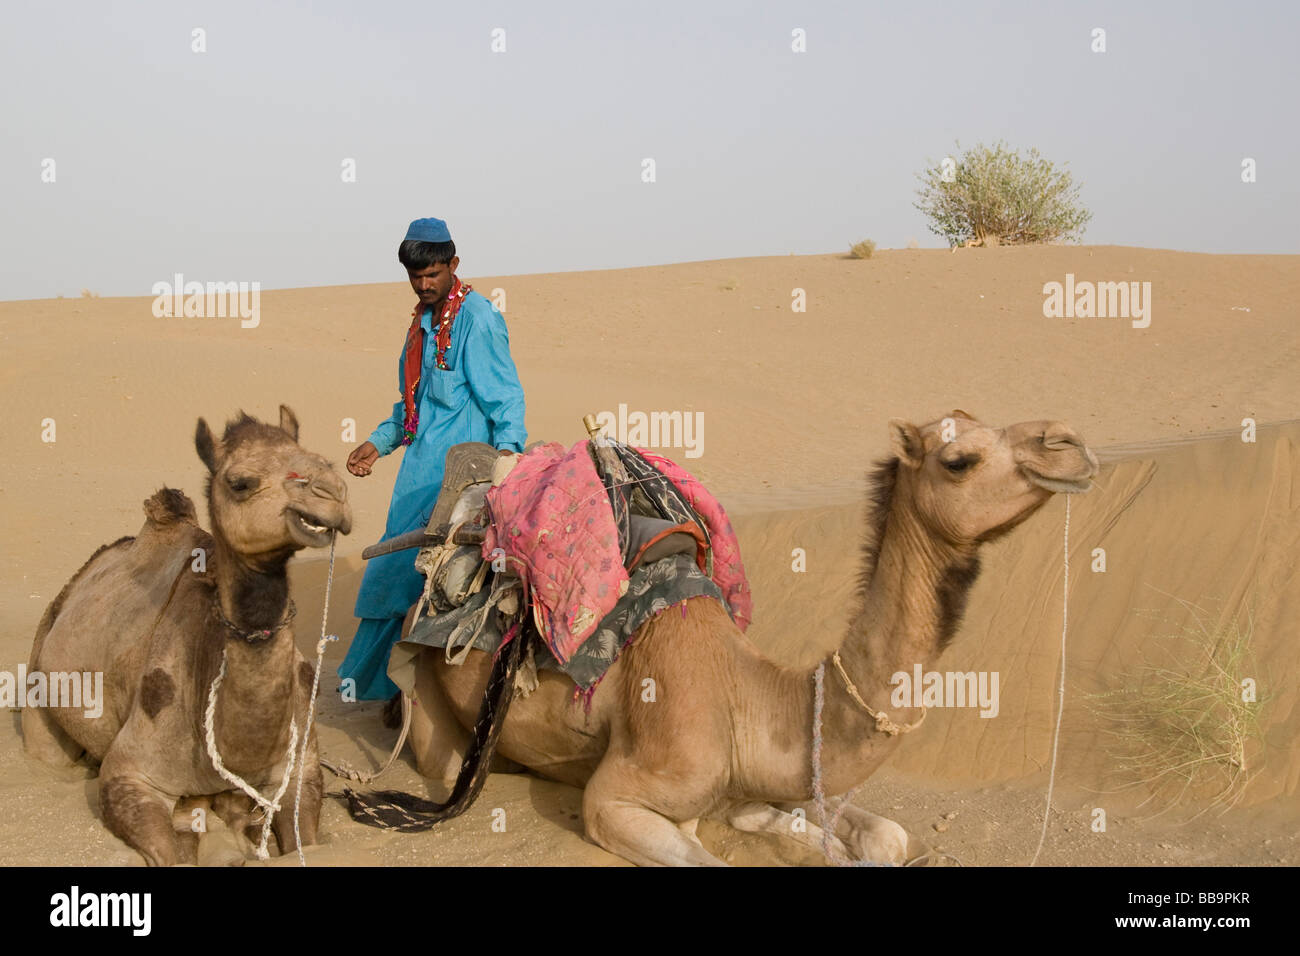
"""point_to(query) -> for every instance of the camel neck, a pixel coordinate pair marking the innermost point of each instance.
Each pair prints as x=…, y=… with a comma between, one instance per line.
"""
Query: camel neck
x=254, y=594
x=912, y=604
x=258, y=692
x=910, y=609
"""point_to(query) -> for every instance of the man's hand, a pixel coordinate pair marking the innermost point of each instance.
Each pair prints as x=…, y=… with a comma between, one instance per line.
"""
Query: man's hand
x=502, y=452
x=362, y=459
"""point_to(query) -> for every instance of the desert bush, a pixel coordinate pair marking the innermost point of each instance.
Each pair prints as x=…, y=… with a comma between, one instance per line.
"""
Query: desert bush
x=863, y=249
x=998, y=194
x=1183, y=729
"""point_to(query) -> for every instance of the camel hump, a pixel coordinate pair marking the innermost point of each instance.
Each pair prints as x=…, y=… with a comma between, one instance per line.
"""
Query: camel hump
x=168, y=506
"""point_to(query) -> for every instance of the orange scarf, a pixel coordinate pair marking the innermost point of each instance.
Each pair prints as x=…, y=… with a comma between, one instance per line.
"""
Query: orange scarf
x=413, y=355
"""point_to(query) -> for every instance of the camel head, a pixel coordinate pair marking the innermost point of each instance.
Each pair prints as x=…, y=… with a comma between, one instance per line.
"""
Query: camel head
x=266, y=495
x=969, y=482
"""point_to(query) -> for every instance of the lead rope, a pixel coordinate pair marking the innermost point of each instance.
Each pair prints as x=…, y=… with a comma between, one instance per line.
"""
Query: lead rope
x=311, y=704
x=819, y=789
x=1060, y=693
x=341, y=768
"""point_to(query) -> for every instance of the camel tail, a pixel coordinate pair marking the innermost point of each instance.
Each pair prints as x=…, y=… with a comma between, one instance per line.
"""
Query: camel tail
x=169, y=505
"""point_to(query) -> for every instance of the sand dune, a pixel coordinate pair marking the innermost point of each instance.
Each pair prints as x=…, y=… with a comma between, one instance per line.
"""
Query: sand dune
x=794, y=407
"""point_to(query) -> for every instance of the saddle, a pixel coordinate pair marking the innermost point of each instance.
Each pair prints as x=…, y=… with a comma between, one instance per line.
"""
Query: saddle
x=467, y=468
x=454, y=573
x=655, y=522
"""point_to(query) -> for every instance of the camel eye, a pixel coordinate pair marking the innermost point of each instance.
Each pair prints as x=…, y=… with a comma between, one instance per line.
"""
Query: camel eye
x=959, y=465
x=241, y=484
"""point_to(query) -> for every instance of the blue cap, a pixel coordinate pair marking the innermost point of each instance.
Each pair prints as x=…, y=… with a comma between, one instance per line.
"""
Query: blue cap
x=428, y=230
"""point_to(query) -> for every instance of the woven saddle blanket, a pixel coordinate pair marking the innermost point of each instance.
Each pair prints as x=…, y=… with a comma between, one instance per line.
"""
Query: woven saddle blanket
x=594, y=546
x=564, y=528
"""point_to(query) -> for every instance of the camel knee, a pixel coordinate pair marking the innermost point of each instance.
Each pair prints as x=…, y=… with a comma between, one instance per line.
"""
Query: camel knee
x=600, y=813
x=141, y=817
x=612, y=825
x=609, y=803
x=438, y=741
x=439, y=748
x=646, y=837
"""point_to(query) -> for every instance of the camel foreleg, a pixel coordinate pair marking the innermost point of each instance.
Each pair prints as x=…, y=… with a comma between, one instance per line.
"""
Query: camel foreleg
x=764, y=818
x=646, y=838
x=620, y=824
x=867, y=836
x=313, y=785
x=140, y=815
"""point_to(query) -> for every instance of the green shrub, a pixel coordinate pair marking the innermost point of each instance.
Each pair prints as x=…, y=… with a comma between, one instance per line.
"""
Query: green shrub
x=999, y=196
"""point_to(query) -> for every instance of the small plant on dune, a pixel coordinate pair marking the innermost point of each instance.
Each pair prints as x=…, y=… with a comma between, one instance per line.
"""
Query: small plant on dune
x=87, y=294
x=1182, y=731
x=994, y=194
x=863, y=250
x=731, y=285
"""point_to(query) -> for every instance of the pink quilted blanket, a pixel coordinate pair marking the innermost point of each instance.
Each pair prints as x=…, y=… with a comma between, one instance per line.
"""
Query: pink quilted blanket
x=553, y=520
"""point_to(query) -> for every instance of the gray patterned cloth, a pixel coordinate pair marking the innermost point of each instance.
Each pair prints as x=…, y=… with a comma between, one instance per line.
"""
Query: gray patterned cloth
x=652, y=589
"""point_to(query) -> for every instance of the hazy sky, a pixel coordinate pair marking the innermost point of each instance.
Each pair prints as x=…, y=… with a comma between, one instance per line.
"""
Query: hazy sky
x=226, y=165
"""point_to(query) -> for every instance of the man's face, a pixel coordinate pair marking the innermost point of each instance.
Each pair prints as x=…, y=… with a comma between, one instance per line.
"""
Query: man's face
x=433, y=284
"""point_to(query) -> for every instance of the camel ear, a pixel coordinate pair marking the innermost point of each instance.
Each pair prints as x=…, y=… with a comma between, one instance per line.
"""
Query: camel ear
x=905, y=439
x=958, y=413
x=289, y=421
x=206, y=446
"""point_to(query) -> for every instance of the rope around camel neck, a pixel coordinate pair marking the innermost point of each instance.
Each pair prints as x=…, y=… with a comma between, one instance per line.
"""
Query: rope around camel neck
x=269, y=807
x=819, y=699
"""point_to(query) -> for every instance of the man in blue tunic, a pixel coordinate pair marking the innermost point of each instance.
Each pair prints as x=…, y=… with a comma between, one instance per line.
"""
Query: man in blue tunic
x=458, y=384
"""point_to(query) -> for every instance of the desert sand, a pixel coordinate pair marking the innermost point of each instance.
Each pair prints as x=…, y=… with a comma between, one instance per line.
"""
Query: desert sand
x=1196, y=523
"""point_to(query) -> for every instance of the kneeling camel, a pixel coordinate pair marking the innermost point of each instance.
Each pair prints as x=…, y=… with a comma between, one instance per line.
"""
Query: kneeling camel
x=161, y=614
x=729, y=732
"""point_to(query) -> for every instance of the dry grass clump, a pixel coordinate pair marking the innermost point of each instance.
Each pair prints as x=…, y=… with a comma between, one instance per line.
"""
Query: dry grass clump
x=863, y=250
x=1182, y=730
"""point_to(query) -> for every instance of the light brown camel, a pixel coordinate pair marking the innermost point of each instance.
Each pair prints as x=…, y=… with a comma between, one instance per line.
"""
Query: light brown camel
x=729, y=732
x=154, y=613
